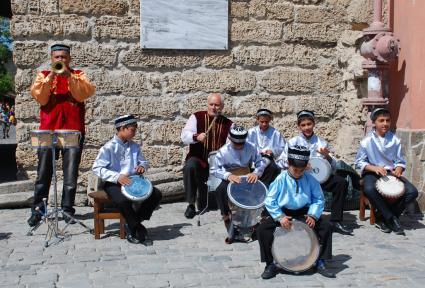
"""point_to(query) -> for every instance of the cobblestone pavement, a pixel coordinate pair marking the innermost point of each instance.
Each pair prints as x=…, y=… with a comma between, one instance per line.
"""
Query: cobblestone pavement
x=185, y=255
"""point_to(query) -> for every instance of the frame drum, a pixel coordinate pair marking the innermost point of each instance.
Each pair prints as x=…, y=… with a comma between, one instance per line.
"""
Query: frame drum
x=246, y=201
x=390, y=187
x=321, y=170
x=41, y=138
x=68, y=138
x=297, y=249
x=139, y=190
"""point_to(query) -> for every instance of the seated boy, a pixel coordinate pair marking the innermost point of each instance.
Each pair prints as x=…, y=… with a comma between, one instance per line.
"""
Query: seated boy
x=118, y=159
x=336, y=184
x=294, y=194
x=231, y=157
x=380, y=154
x=269, y=142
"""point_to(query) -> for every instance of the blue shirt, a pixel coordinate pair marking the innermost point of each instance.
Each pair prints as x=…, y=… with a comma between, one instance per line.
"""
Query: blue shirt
x=380, y=151
x=283, y=193
x=269, y=139
x=229, y=158
x=117, y=157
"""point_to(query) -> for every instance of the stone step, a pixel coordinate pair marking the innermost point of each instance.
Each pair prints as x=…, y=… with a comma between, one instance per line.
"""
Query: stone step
x=16, y=186
x=16, y=200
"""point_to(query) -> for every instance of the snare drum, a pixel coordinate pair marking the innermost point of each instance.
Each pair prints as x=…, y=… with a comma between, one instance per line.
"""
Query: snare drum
x=41, y=138
x=68, y=138
x=297, y=249
x=139, y=190
x=213, y=181
x=246, y=201
x=321, y=170
x=390, y=187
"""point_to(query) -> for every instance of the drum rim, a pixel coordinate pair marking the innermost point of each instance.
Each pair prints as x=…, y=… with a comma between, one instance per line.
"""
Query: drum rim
x=314, y=239
x=323, y=160
x=41, y=132
x=386, y=195
x=241, y=205
x=137, y=199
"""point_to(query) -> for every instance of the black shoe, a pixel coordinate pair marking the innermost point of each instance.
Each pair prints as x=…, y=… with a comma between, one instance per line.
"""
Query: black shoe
x=322, y=270
x=383, y=227
x=396, y=226
x=190, y=211
x=132, y=239
x=69, y=219
x=269, y=272
x=34, y=219
x=341, y=229
x=147, y=242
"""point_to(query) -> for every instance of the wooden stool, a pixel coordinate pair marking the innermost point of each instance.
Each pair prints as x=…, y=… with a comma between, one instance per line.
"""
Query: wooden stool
x=100, y=198
x=363, y=202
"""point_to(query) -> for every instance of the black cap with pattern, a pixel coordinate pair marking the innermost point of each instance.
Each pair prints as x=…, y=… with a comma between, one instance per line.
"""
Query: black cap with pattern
x=124, y=120
x=300, y=153
x=237, y=134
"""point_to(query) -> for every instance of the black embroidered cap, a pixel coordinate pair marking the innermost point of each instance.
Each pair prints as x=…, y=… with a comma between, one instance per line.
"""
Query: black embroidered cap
x=237, y=134
x=305, y=113
x=300, y=153
x=124, y=120
x=264, y=112
x=378, y=111
x=60, y=47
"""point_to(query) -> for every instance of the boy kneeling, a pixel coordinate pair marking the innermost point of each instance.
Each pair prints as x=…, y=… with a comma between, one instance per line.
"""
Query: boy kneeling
x=294, y=194
x=118, y=159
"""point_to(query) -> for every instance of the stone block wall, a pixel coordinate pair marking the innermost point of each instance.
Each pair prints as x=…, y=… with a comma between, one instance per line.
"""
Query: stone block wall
x=284, y=55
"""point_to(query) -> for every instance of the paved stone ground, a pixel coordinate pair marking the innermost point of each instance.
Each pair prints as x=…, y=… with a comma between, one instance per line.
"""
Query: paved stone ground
x=185, y=255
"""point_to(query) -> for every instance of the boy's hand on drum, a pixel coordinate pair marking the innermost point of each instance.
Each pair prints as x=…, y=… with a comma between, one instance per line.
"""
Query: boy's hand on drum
x=124, y=180
x=380, y=170
x=310, y=221
x=234, y=179
x=397, y=171
x=286, y=222
x=252, y=178
x=140, y=169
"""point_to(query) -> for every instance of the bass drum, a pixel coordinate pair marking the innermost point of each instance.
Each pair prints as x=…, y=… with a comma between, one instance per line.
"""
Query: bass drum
x=297, y=249
x=246, y=200
x=321, y=170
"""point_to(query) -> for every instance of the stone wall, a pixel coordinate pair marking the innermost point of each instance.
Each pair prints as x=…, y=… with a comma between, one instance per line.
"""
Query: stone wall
x=284, y=55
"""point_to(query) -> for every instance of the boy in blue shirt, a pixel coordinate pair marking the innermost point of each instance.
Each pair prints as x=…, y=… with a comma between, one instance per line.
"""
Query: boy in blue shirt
x=380, y=154
x=294, y=194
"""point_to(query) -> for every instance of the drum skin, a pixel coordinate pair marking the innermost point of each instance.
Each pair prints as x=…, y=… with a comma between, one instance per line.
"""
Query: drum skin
x=296, y=249
x=321, y=170
x=390, y=187
x=139, y=190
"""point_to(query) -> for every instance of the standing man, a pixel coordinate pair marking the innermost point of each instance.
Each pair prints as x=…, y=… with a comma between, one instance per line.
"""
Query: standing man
x=61, y=98
x=205, y=131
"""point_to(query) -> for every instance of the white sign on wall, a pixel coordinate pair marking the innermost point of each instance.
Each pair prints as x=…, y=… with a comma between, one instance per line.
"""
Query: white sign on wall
x=184, y=24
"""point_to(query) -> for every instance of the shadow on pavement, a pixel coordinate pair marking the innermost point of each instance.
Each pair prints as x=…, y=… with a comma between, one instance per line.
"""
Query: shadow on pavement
x=4, y=236
x=8, y=168
x=167, y=232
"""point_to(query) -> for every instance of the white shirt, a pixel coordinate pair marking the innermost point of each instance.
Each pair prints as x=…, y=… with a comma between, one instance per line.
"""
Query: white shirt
x=269, y=139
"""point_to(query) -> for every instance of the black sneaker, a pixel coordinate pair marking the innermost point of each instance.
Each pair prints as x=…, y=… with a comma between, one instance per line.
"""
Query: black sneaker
x=269, y=272
x=34, y=219
x=383, y=227
x=322, y=270
x=132, y=239
x=396, y=226
x=69, y=219
x=341, y=229
x=190, y=211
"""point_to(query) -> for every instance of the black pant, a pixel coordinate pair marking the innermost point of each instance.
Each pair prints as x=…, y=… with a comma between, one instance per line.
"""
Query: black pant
x=270, y=173
x=266, y=229
x=133, y=217
x=194, y=180
x=386, y=209
x=71, y=158
x=338, y=186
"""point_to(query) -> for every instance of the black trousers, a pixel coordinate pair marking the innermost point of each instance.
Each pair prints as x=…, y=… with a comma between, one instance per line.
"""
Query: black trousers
x=266, y=229
x=194, y=180
x=338, y=186
x=125, y=206
x=386, y=209
x=71, y=158
x=270, y=173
